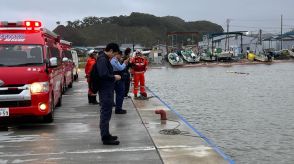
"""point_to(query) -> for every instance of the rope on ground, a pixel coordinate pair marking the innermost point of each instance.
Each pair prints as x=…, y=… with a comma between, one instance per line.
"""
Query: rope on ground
x=175, y=130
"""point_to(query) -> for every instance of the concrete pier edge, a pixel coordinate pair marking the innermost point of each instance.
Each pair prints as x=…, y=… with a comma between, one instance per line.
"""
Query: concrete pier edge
x=148, y=132
x=207, y=140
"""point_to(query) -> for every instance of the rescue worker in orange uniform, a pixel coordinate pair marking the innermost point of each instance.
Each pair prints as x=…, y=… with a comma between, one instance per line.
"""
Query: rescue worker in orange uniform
x=89, y=65
x=139, y=67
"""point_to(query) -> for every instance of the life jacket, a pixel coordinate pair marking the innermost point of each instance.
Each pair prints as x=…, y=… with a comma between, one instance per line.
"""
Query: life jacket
x=140, y=64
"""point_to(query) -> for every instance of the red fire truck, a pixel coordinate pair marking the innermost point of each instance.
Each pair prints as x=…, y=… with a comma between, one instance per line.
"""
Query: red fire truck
x=68, y=65
x=31, y=72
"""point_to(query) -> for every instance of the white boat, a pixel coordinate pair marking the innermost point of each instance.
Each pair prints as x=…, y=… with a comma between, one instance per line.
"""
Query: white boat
x=224, y=55
x=174, y=59
x=207, y=56
x=291, y=52
x=190, y=56
x=263, y=58
x=286, y=52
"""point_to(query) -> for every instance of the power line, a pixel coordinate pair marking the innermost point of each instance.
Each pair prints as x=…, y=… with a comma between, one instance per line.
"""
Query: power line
x=260, y=27
x=262, y=20
x=254, y=20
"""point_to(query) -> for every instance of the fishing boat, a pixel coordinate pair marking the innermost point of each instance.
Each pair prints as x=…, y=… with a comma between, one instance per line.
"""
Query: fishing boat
x=207, y=56
x=190, y=56
x=263, y=57
x=223, y=55
x=285, y=54
x=174, y=59
x=291, y=53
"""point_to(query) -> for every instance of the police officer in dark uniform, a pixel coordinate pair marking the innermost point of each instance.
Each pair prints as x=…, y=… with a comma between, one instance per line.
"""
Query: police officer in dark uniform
x=106, y=91
x=127, y=74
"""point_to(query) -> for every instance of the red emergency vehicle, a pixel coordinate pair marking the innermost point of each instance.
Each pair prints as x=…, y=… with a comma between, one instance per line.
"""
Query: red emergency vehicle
x=67, y=63
x=31, y=70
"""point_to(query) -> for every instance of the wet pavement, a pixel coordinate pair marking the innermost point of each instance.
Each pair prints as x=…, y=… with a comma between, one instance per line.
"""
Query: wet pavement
x=176, y=141
x=74, y=136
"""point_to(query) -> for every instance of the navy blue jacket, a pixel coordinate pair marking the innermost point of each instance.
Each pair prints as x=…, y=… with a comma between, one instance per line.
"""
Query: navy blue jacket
x=105, y=72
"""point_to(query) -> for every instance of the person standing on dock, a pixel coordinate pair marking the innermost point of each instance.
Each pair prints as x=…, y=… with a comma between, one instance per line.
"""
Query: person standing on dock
x=127, y=75
x=139, y=67
x=89, y=65
x=106, y=91
x=119, y=86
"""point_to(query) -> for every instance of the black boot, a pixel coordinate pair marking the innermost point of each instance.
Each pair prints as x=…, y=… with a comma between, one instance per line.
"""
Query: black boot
x=89, y=99
x=112, y=137
x=110, y=140
x=94, y=100
x=121, y=111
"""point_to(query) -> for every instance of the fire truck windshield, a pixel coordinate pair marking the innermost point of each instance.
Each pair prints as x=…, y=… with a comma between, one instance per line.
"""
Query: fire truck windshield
x=20, y=55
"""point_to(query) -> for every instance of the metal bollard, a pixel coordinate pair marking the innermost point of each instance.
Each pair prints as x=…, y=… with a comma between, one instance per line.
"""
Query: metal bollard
x=162, y=114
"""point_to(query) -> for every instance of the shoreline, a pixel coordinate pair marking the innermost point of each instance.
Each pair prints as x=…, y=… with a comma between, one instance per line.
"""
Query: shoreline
x=220, y=64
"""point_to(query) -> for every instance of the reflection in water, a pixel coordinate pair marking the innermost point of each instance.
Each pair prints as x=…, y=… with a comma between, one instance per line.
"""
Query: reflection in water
x=250, y=116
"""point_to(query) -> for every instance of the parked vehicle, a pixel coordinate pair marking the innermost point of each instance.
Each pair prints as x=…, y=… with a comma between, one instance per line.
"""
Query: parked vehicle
x=31, y=70
x=75, y=60
x=68, y=65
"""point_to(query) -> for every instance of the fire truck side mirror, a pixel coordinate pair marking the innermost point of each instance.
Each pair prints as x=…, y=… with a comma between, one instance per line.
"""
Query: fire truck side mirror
x=65, y=59
x=53, y=62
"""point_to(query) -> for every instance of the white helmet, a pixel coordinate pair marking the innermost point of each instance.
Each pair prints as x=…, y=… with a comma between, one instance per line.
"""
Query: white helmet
x=91, y=52
x=138, y=52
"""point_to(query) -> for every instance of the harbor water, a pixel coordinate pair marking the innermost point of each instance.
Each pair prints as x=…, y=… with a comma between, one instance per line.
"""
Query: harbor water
x=249, y=116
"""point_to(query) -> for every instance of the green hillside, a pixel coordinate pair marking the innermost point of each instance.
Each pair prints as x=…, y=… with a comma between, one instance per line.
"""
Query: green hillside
x=140, y=28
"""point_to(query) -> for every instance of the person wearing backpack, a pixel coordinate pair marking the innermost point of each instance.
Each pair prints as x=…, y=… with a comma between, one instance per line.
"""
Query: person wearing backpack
x=89, y=65
x=119, y=86
x=104, y=83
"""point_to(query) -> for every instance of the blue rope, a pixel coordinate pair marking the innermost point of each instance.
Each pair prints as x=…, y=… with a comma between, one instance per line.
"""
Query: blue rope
x=208, y=141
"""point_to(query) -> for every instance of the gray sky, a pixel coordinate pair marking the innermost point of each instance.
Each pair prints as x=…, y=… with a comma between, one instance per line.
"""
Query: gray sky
x=247, y=15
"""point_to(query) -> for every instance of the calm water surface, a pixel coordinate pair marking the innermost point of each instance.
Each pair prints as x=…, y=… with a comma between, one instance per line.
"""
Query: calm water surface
x=250, y=117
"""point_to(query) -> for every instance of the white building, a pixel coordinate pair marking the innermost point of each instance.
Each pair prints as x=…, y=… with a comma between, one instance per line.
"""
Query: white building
x=274, y=42
x=234, y=41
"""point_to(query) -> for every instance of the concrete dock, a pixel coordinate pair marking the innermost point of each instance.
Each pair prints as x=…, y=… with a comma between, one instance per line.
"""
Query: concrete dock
x=74, y=136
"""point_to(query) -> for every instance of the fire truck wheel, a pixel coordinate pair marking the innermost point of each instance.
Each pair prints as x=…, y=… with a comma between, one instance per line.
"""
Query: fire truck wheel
x=72, y=79
x=50, y=117
x=76, y=77
x=64, y=86
x=59, y=101
x=70, y=85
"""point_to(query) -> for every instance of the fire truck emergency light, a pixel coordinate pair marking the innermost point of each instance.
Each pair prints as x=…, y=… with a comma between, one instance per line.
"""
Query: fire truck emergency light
x=32, y=24
x=26, y=24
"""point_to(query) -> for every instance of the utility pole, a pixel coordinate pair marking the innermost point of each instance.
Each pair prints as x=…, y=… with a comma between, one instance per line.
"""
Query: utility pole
x=172, y=42
x=260, y=33
x=281, y=32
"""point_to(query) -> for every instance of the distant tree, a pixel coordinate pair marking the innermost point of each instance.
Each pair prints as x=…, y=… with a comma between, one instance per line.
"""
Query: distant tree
x=70, y=34
x=76, y=23
x=140, y=28
x=89, y=21
x=69, y=23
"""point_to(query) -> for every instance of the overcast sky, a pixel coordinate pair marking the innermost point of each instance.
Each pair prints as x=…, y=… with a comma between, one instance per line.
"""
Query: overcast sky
x=247, y=15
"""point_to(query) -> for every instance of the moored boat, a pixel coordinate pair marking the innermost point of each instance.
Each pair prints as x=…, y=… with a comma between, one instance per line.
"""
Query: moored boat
x=263, y=58
x=174, y=59
x=190, y=56
x=207, y=56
